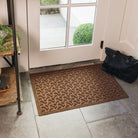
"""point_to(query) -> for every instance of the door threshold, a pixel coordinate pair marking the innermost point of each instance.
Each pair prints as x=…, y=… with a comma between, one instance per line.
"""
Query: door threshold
x=64, y=66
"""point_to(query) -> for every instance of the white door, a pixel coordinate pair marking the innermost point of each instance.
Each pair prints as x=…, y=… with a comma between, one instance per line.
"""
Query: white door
x=65, y=31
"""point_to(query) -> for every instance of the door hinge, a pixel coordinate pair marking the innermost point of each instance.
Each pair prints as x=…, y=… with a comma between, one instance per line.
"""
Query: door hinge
x=101, y=45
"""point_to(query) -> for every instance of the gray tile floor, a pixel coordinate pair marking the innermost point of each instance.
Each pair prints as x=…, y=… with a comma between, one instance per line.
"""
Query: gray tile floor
x=116, y=119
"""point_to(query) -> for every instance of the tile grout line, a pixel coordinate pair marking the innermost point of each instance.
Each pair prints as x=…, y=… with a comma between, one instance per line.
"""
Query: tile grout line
x=133, y=119
x=127, y=113
x=86, y=123
x=128, y=110
x=35, y=121
x=33, y=99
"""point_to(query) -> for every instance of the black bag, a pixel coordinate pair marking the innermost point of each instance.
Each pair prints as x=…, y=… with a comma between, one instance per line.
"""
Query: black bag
x=120, y=65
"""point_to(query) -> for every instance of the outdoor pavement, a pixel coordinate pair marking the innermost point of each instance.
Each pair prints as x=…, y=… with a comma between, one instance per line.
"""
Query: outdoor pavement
x=53, y=31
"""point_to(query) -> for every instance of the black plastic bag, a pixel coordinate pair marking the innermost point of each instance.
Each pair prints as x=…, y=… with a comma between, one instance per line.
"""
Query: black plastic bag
x=120, y=65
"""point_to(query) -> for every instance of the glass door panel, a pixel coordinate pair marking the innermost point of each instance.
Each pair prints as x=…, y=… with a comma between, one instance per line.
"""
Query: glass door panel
x=83, y=1
x=81, y=25
x=52, y=28
x=52, y=2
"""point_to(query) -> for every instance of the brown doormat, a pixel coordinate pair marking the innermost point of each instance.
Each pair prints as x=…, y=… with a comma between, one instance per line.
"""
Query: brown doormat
x=67, y=89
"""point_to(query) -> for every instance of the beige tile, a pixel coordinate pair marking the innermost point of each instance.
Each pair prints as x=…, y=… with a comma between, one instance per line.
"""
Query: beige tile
x=130, y=88
x=13, y=126
x=117, y=127
x=101, y=111
x=34, y=104
x=27, y=91
x=69, y=124
x=26, y=87
x=132, y=107
x=131, y=103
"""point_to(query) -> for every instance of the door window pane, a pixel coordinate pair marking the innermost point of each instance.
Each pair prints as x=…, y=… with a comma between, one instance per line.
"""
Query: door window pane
x=81, y=25
x=53, y=27
x=83, y=1
x=52, y=2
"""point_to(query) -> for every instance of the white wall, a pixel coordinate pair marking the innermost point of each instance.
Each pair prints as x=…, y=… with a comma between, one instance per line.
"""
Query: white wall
x=21, y=27
x=124, y=35
x=129, y=33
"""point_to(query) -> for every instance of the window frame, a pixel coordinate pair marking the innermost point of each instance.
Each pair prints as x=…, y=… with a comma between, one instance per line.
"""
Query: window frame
x=69, y=5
